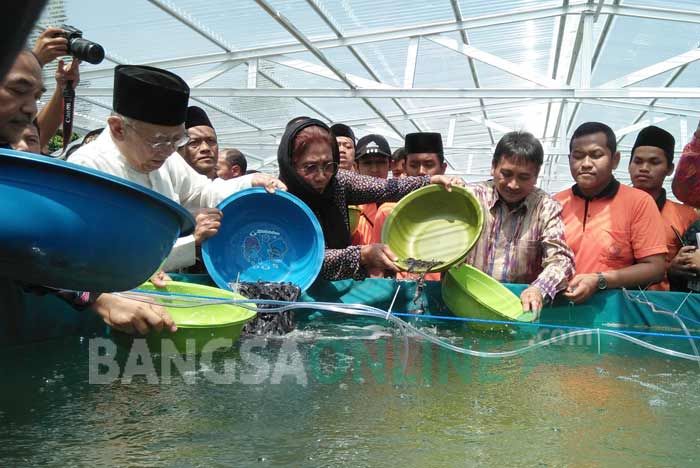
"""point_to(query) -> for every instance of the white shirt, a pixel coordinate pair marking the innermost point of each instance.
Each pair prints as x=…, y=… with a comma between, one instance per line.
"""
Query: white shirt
x=175, y=179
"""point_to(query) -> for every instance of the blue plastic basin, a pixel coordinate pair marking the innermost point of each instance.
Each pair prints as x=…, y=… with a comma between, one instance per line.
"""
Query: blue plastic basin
x=265, y=237
x=71, y=227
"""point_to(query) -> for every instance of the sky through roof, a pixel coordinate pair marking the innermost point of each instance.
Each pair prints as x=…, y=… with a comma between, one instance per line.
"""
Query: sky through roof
x=471, y=70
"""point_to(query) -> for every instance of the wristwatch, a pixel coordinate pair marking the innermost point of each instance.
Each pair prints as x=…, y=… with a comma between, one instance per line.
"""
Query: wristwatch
x=602, y=282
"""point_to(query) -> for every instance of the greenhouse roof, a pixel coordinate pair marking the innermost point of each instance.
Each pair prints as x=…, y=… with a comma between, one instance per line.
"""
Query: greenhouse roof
x=471, y=70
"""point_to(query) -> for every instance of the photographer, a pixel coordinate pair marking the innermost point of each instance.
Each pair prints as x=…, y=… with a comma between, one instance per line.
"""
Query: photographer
x=51, y=44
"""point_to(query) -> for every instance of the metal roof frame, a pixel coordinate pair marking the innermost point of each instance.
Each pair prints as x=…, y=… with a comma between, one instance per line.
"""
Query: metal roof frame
x=564, y=88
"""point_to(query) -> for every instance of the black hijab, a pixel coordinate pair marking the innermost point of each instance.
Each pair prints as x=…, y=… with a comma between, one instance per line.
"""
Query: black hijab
x=331, y=216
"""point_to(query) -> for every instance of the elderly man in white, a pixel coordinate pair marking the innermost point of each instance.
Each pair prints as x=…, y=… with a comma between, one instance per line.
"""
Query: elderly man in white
x=141, y=138
x=145, y=130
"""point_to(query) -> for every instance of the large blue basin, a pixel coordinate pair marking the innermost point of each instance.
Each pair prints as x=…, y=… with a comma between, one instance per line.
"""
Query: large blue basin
x=71, y=227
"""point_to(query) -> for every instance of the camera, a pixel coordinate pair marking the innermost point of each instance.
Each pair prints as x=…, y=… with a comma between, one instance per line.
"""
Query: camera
x=82, y=49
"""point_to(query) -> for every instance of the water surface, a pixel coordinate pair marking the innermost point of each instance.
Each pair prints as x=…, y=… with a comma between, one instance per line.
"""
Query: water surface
x=350, y=395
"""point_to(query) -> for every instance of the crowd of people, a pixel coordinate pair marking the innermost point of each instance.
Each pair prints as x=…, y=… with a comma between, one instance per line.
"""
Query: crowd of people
x=598, y=234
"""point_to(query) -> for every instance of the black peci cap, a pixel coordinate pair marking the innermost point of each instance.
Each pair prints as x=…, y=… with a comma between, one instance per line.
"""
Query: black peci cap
x=196, y=117
x=424, y=142
x=657, y=137
x=150, y=95
x=342, y=130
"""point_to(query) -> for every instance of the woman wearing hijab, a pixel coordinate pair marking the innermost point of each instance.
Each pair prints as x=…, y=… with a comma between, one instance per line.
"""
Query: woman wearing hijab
x=308, y=159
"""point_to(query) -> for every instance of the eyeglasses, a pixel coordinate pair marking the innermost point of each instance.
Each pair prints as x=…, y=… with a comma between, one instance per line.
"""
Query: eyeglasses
x=327, y=168
x=162, y=145
x=197, y=142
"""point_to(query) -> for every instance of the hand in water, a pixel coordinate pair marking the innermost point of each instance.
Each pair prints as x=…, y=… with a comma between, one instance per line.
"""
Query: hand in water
x=581, y=288
x=532, y=300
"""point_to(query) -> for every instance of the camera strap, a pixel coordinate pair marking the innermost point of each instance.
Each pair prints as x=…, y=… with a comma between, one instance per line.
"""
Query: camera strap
x=68, y=103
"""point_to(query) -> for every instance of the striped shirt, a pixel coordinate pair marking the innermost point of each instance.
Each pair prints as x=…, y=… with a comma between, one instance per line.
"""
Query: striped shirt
x=524, y=244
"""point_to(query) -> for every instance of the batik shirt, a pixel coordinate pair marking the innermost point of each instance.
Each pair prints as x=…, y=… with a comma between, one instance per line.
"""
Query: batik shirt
x=524, y=244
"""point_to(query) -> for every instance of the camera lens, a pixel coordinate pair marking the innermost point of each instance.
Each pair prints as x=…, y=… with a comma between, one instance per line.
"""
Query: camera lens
x=87, y=51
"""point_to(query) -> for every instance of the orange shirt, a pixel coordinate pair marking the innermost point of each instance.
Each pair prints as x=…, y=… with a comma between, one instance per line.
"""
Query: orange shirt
x=679, y=217
x=365, y=226
x=380, y=217
x=382, y=214
x=618, y=230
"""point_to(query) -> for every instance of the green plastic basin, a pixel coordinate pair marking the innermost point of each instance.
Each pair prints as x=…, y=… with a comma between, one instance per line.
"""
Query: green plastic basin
x=200, y=324
x=471, y=293
x=432, y=224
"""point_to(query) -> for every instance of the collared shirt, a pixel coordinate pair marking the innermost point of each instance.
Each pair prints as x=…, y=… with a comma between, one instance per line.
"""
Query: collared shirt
x=524, y=244
x=612, y=230
x=175, y=179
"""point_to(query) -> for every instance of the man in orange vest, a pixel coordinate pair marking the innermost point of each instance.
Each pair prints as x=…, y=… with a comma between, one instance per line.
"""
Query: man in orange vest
x=651, y=163
x=612, y=229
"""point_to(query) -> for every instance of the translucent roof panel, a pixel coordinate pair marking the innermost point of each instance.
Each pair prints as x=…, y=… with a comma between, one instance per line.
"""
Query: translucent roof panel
x=439, y=67
x=478, y=9
x=387, y=59
x=687, y=78
x=526, y=44
x=361, y=15
x=242, y=24
x=135, y=31
x=255, y=64
x=636, y=43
